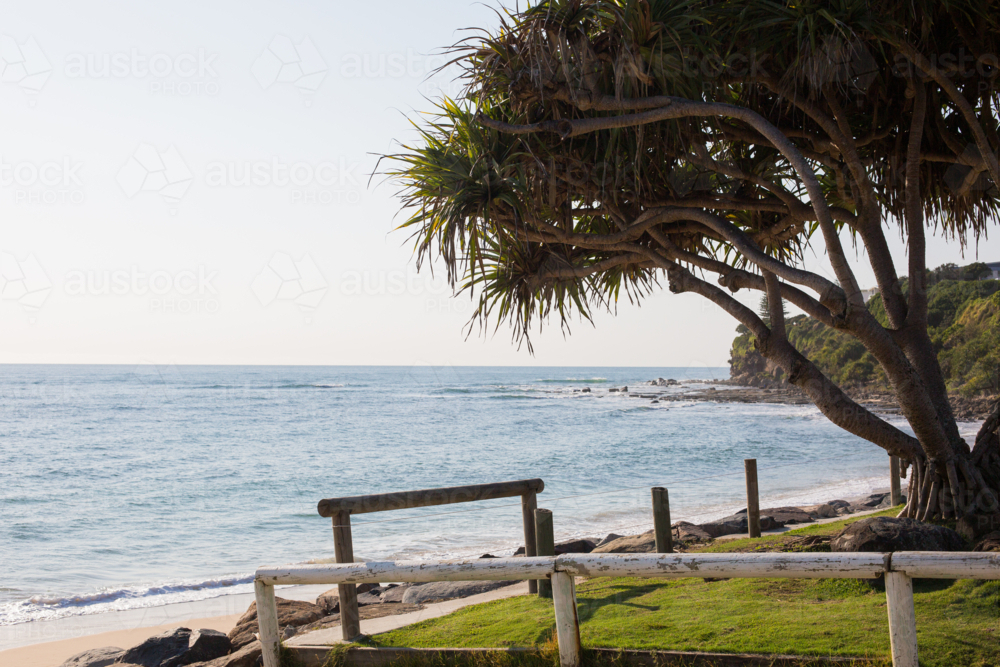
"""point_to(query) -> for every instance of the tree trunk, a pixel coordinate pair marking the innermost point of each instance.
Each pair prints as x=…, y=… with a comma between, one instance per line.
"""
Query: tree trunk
x=966, y=483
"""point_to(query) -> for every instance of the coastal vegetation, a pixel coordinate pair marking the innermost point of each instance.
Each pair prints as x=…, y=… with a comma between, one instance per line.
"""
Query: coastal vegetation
x=603, y=146
x=824, y=617
x=963, y=319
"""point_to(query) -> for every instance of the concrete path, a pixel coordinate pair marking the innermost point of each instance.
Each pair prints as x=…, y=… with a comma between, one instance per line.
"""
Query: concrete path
x=372, y=626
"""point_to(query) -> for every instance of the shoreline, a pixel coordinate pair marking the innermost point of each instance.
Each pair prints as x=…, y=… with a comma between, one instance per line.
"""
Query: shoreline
x=49, y=643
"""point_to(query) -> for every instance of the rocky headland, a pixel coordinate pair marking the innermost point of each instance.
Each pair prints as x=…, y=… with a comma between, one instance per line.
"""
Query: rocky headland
x=758, y=389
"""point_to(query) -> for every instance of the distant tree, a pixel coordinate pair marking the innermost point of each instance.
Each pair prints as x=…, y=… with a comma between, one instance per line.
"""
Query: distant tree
x=602, y=145
x=764, y=310
x=976, y=271
x=946, y=272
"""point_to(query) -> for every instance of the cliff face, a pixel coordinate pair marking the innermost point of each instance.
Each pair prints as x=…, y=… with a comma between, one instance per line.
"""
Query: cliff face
x=964, y=324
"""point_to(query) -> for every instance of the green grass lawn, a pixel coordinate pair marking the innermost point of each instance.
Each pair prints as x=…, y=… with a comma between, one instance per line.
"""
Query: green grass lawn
x=958, y=623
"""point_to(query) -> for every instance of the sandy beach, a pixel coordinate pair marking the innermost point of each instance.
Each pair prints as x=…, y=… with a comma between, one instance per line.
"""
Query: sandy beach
x=50, y=643
x=78, y=634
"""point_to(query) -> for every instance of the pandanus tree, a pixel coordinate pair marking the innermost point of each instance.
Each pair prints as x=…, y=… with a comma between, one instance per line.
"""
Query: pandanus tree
x=604, y=145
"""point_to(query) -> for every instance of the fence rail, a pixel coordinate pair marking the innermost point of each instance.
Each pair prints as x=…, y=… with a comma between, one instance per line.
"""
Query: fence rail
x=341, y=509
x=899, y=569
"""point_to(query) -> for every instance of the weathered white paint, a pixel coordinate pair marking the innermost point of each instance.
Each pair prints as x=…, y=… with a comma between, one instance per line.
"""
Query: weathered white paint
x=733, y=565
x=466, y=569
x=567, y=621
x=898, y=568
x=267, y=622
x=947, y=565
x=902, y=619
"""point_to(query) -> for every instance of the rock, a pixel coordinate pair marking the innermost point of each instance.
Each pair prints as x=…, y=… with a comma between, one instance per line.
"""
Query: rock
x=584, y=546
x=974, y=526
x=585, y=390
x=368, y=598
x=873, y=501
x=610, y=537
x=613, y=390
x=991, y=542
x=644, y=543
x=204, y=645
x=841, y=507
x=623, y=389
x=95, y=657
x=248, y=656
x=395, y=593
x=177, y=647
x=166, y=649
x=737, y=524
x=688, y=532
x=329, y=601
x=885, y=534
x=824, y=511
x=446, y=590
x=290, y=612
x=786, y=515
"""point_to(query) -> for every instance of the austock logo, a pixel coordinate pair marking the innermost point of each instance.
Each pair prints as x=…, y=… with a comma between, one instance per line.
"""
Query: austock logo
x=183, y=75
x=24, y=281
x=24, y=64
x=325, y=182
x=50, y=182
x=149, y=170
x=285, y=279
x=185, y=291
x=284, y=61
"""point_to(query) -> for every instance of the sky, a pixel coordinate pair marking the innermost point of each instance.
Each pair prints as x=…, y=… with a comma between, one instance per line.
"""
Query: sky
x=190, y=183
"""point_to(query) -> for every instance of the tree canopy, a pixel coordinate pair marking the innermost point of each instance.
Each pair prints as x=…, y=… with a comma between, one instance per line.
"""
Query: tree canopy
x=603, y=145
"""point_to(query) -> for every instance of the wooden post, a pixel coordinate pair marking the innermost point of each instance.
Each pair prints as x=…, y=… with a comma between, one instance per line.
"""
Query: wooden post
x=902, y=619
x=567, y=620
x=661, y=521
x=267, y=622
x=895, y=493
x=545, y=545
x=343, y=547
x=529, y=503
x=753, y=499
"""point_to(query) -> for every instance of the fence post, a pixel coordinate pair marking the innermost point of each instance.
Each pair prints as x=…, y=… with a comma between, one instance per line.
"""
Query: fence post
x=895, y=493
x=902, y=619
x=529, y=503
x=545, y=545
x=343, y=547
x=753, y=498
x=267, y=622
x=661, y=521
x=567, y=620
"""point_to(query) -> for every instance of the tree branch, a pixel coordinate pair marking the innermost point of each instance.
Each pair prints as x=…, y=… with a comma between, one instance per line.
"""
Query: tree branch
x=968, y=113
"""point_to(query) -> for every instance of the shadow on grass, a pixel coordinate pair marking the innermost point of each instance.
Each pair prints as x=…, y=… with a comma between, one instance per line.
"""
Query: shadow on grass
x=620, y=594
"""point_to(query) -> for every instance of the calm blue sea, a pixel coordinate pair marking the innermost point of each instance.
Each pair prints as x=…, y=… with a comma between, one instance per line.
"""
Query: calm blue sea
x=128, y=487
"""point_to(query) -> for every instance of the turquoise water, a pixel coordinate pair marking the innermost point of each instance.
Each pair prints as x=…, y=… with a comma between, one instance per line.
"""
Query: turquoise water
x=126, y=487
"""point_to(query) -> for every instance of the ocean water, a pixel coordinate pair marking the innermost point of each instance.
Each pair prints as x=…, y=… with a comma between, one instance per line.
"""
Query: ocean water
x=130, y=487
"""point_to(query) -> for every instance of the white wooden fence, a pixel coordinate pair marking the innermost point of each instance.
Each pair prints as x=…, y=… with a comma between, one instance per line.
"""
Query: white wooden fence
x=899, y=568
